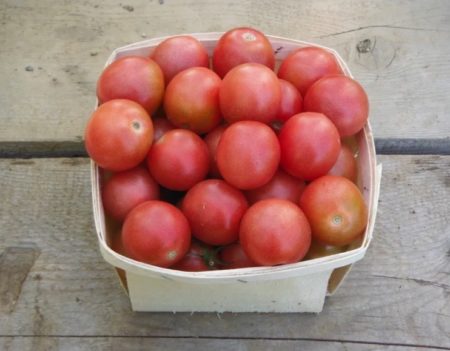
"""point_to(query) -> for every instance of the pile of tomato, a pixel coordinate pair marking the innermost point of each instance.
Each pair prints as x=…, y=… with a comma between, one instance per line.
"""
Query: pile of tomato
x=228, y=162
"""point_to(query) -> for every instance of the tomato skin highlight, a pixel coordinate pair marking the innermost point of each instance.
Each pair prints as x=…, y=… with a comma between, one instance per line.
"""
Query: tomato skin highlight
x=135, y=78
x=342, y=99
x=248, y=154
x=310, y=145
x=242, y=45
x=157, y=233
x=336, y=210
x=274, y=232
x=178, y=160
x=118, y=135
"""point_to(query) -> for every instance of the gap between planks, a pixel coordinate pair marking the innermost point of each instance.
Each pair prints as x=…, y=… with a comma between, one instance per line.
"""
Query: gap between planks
x=359, y=342
x=49, y=149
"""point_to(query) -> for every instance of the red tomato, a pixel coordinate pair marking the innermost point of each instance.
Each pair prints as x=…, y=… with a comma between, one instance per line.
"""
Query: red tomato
x=192, y=100
x=275, y=231
x=242, y=45
x=250, y=92
x=335, y=209
x=345, y=165
x=248, y=154
x=212, y=140
x=178, y=53
x=281, y=186
x=200, y=257
x=134, y=78
x=161, y=126
x=317, y=250
x=179, y=159
x=119, y=135
x=309, y=145
x=304, y=66
x=341, y=99
x=233, y=256
x=156, y=232
x=125, y=190
x=214, y=210
x=291, y=101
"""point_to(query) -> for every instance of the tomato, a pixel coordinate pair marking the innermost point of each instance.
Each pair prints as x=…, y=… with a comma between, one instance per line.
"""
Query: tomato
x=178, y=53
x=291, y=101
x=248, y=154
x=275, y=231
x=281, y=186
x=192, y=100
x=335, y=209
x=212, y=140
x=156, y=232
x=309, y=145
x=345, y=165
x=160, y=127
x=233, y=256
x=134, y=78
x=214, y=210
x=304, y=66
x=200, y=257
x=125, y=190
x=317, y=250
x=250, y=91
x=179, y=159
x=341, y=99
x=118, y=135
x=242, y=45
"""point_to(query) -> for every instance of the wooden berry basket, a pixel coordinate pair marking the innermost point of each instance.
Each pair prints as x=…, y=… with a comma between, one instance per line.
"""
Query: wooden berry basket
x=297, y=287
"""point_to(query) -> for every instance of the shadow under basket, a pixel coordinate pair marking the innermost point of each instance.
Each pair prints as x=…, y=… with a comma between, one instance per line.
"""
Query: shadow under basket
x=297, y=287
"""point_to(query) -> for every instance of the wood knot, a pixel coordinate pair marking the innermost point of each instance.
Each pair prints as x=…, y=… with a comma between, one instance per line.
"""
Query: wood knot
x=364, y=46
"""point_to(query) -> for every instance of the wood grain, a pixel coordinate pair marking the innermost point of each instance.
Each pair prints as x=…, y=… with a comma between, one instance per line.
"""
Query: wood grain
x=398, y=294
x=53, y=52
x=185, y=344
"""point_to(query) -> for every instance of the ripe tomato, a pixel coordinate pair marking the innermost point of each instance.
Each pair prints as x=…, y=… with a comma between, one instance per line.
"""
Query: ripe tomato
x=125, y=190
x=341, y=99
x=156, y=232
x=192, y=100
x=178, y=53
x=304, y=66
x=179, y=159
x=119, y=135
x=233, y=256
x=335, y=209
x=200, y=257
x=160, y=127
x=281, y=186
x=134, y=78
x=212, y=140
x=275, y=231
x=214, y=210
x=291, y=101
x=317, y=250
x=250, y=91
x=248, y=154
x=345, y=165
x=309, y=145
x=242, y=45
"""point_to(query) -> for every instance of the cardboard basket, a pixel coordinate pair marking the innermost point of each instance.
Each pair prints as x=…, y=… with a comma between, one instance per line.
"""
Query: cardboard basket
x=297, y=287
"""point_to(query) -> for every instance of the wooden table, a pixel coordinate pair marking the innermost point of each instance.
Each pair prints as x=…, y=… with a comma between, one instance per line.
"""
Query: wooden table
x=57, y=293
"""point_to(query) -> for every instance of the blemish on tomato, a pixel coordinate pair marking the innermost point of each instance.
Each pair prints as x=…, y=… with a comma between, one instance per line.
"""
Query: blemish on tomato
x=249, y=36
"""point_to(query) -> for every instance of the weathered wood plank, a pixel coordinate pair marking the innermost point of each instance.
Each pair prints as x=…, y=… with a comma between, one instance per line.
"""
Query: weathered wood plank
x=185, y=344
x=398, y=50
x=399, y=293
